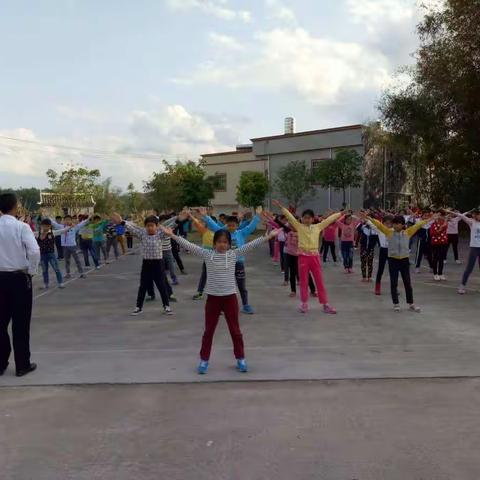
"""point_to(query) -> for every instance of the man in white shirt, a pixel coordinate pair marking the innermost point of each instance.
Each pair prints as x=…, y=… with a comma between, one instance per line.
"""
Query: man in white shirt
x=19, y=258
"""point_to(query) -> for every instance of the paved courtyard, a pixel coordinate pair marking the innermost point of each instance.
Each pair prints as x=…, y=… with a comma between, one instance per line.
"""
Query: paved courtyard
x=365, y=394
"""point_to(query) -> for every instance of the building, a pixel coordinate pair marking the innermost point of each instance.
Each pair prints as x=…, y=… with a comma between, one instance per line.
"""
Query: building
x=269, y=154
x=61, y=204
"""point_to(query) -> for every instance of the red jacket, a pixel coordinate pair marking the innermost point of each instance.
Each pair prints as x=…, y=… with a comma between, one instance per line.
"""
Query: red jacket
x=438, y=233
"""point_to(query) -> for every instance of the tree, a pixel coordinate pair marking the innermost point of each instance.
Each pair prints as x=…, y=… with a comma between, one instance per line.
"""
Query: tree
x=252, y=189
x=436, y=115
x=295, y=182
x=108, y=199
x=179, y=185
x=341, y=172
x=74, y=181
x=135, y=201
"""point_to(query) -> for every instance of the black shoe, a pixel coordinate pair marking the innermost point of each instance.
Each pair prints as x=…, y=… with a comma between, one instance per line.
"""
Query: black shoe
x=2, y=372
x=183, y=272
x=26, y=371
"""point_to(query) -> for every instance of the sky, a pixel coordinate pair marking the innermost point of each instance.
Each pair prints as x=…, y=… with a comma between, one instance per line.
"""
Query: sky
x=119, y=84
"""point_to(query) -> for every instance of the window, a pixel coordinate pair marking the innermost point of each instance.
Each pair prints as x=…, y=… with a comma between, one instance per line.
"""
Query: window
x=220, y=182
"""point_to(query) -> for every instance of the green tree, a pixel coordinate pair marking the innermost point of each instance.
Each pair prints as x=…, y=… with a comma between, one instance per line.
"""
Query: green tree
x=74, y=181
x=252, y=189
x=135, y=201
x=295, y=182
x=341, y=172
x=108, y=199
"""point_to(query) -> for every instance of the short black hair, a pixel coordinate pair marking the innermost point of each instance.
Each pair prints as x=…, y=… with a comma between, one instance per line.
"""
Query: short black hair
x=58, y=217
x=151, y=219
x=388, y=218
x=308, y=212
x=220, y=234
x=399, y=219
x=8, y=201
x=97, y=217
x=232, y=219
x=46, y=221
x=67, y=216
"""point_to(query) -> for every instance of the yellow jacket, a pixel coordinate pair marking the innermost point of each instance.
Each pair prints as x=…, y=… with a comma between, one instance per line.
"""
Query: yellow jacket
x=309, y=236
x=207, y=235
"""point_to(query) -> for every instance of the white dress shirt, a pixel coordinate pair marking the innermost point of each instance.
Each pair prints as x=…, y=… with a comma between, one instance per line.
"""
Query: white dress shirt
x=18, y=248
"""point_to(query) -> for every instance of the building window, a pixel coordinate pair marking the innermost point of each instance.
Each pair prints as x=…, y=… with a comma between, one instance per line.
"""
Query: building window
x=316, y=163
x=220, y=182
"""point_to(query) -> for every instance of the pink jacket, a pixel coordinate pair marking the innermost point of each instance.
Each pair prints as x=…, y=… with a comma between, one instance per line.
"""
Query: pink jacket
x=347, y=232
x=291, y=243
x=331, y=232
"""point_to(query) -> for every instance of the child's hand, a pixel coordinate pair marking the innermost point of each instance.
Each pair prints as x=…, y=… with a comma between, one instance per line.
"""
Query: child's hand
x=277, y=203
x=167, y=231
x=202, y=211
x=274, y=233
x=259, y=210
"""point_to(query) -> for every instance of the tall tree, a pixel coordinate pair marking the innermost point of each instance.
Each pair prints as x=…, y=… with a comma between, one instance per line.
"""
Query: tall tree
x=73, y=181
x=341, y=172
x=252, y=189
x=295, y=182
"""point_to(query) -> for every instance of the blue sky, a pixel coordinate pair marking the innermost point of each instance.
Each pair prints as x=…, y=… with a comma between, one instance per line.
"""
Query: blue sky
x=177, y=78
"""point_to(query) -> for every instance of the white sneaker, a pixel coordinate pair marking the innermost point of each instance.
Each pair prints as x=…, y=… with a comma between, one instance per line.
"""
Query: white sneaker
x=136, y=312
x=461, y=290
x=458, y=262
x=168, y=311
x=396, y=307
x=61, y=285
x=414, y=308
x=443, y=278
x=97, y=267
x=436, y=278
x=417, y=270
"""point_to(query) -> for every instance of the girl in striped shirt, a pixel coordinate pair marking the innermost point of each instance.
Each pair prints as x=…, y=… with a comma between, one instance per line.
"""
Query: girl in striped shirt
x=221, y=290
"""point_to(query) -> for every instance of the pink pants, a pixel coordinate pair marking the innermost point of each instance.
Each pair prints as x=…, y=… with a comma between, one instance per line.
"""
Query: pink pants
x=276, y=251
x=306, y=264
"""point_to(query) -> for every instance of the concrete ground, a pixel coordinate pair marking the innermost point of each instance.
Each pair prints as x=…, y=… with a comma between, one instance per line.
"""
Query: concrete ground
x=117, y=397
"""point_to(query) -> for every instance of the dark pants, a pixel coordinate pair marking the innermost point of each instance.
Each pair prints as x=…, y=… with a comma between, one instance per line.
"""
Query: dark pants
x=453, y=241
x=86, y=245
x=347, y=254
x=240, y=277
x=203, y=279
x=366, y=257
x=99, y=247
x=400, y=266
x=15, y=306
x=439, y=253
x=213, y=307
x=382, y=261
x=329, y=245
x=176, y=255
x=58, y=245
x=47, y=259
x=72, y=252
x=271, y=247
x=281, y=246
x=153, y=272
x=472, y=258
x=423, y=248
x=291, y=262
x=112, y=242
x=129, y=241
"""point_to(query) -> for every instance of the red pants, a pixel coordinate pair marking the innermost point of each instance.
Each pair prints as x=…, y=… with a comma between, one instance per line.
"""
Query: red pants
x=229, y=306
x=306, y=264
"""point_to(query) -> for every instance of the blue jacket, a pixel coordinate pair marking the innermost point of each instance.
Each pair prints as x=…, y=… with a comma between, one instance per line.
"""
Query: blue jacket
x=239, y=236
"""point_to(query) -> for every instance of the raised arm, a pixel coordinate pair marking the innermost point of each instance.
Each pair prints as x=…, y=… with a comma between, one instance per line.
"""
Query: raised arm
x=411, y=231
x=211, y=224
x=198, y=225
x=255, y=243
x=55, y=224
x=56, y=233
x=191, y=247
x=80, y=225
x=328, y=221
x=463, y=216
x=251, y=227
x=291, y=219
x=380, y=227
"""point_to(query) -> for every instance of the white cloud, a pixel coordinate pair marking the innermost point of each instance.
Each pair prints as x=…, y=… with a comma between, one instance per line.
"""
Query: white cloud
x=278, y=11
x=217, y=8
x=318, y=69
x=171, y=132
x=225, y=41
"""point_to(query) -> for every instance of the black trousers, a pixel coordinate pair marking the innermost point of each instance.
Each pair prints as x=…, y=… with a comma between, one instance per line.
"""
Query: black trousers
x=153, y=272
x=423, y=248
x=176, y=255
x=382, y=261
x=453, y=241
x=15, y=306
x=366, y=261
x=241, y=278
x=281, y=246
x=58, y=244
x=129, y=241
x=203, y=279
x=400, y=266
x=439, y=254
x=291, y=265
x=329, y=245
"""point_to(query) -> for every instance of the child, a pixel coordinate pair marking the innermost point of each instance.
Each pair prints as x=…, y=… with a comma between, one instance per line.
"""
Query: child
x=58, y=241
x=368, y=241
x=474, y=224
x=86, y=245
x=69, y=242
x=347, y=227
x=239, y=237
x=452, y=233
x=46, y=241
x=168, y=221
x=398, y=256
x=221, y=263
x=99, y=226
x=424, y=244
x=112, y=240
x=153, y=268
x=329, y=237
x=121, y=237
x=308, y=254
x=383, y=253
x=439, y=244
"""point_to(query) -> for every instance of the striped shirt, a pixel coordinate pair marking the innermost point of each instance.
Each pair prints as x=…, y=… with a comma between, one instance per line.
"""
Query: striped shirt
x=150, y=245
x=220, y=266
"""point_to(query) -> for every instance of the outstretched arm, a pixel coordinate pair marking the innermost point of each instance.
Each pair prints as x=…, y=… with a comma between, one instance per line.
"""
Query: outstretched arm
x=328, y=221
x=255, y=243
x=191, y=247
x=291, y=219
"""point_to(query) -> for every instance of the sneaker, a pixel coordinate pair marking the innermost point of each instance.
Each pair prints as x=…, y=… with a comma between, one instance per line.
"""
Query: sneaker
x=346, y=270
x=61, y=285
x=97, y=267
x=461, y=290
x=198, y=296
x=248, y=310
x=168, y=311
x=458, y=262
x=175, y=282
x=443, y=278
x=350, y=270
x=202, y=367
x=173, y=298
x=313, y=294
x=45, y=287
x=68, y=275
x=303, y=308
x=378, y=289
x=136, y=312
x=436, y=278
x=414, y=308
x=417, y=270
x=396, y=307
x=292, y=295
x=83, y=275
x=329, y=309
x=242, y=365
